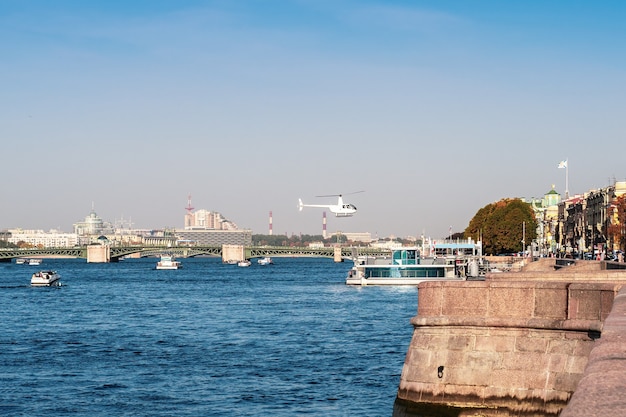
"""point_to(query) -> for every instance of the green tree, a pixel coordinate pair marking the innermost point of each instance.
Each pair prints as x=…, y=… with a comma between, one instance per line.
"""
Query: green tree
x=284, y=240
x=5, y=244
x=501, y=226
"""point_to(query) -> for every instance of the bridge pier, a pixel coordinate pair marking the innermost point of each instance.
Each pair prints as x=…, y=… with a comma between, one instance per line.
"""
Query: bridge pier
x=337, y=254
x=233, y=253
x=98, y=254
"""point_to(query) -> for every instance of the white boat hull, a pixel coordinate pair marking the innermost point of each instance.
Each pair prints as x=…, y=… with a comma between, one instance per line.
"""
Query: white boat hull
x=167, y=267
x=395, y=281
x=45, y=279
x=168, y=262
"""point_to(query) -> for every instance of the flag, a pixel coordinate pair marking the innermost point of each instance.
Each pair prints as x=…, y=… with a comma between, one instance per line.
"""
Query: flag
x=563, y=164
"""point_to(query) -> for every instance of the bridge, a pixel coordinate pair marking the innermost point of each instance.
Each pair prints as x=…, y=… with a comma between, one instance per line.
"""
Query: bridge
x=114, y=253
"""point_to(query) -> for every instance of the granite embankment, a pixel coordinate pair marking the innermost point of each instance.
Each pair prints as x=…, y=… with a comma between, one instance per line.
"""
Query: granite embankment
x=602, y=389
x=516, y=344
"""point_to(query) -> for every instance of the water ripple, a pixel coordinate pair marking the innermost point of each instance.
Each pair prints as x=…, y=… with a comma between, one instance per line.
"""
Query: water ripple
x=210, y=339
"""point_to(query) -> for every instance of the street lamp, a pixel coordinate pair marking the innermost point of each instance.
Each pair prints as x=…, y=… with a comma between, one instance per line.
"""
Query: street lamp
x=524, y=239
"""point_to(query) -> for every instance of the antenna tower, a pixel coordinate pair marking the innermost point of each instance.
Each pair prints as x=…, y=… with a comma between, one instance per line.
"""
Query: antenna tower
x=189, y=208
x=271, y=224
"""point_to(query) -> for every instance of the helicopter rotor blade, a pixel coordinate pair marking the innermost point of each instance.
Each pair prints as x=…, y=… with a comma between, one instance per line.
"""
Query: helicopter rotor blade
x=340, y=195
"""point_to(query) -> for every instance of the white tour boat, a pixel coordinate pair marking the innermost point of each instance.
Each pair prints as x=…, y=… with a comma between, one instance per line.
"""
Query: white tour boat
x=265, y=261
x=405, y=266
x=45, y=279
x=168, y=262
x=34, y=262
x=245, y=262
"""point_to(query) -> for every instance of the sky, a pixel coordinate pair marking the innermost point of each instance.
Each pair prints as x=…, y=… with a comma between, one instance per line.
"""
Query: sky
x=433, y=108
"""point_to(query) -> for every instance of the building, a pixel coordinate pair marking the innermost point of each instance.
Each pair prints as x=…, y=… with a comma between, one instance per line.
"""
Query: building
x=93, y=225
x=547, y=214
x=584, y=221
x=213, y=237
x=210, y=228
x=41, y=239
x=364, y=237
x=204, y=219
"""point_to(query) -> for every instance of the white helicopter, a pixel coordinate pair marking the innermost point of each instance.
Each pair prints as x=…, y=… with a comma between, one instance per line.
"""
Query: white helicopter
x=340, y=209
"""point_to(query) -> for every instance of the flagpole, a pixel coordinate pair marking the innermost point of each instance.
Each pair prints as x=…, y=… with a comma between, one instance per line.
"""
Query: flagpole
x=565, y=164
x=566, y=178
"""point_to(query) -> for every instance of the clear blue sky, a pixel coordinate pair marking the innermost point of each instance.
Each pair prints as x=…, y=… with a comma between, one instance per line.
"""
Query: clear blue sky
x=434, y=108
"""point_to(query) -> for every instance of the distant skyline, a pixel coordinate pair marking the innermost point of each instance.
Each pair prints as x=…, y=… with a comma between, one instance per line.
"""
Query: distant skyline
x=434, y=108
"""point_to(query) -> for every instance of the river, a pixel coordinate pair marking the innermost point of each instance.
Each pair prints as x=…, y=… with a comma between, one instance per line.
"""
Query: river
x=123, y=339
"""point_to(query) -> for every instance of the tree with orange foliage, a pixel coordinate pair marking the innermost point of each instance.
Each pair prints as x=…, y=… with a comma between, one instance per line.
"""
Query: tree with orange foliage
x=501, y=226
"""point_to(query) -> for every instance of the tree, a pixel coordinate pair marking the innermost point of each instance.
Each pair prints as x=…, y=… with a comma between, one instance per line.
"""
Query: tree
x=283, y=240
x=501, y=226
x=5, y=244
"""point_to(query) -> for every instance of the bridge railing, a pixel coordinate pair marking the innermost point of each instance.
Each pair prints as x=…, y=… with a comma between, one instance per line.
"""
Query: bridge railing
x=6, y=254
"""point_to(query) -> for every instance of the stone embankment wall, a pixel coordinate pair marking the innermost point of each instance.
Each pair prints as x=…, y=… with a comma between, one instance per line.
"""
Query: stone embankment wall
x=602, y=389
x=504, y=346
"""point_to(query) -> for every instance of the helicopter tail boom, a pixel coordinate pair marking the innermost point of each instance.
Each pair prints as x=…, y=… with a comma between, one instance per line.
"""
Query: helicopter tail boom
x=301, y=205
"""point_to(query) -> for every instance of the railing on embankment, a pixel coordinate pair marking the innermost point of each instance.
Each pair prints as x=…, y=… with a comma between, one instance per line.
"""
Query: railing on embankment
x=515, y=344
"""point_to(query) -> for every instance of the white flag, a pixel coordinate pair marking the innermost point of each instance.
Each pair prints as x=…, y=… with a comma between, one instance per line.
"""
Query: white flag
x=563, y=164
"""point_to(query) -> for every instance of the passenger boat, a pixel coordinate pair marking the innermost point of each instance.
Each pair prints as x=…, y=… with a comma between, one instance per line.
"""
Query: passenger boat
x=405, y=266
x=34, y=262
x=21, y=261
x=45, y=279
x=265, y=261
x=168, y=262
x=244, y=263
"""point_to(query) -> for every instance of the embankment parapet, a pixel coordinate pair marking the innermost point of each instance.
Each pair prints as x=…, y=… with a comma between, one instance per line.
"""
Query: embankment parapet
x=601, y=390
x=501, y=347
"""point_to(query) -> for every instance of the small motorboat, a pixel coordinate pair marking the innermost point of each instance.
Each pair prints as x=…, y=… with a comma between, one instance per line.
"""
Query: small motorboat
x=168, y=262
x=45, y=279
x=265, y=261
x=245, y=262
x=35, y=262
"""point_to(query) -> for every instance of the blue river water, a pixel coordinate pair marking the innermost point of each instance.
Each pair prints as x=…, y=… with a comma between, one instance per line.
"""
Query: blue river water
x=123, y=339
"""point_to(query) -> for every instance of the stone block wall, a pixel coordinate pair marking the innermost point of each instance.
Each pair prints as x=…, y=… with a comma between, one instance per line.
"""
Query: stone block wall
x=494, y=348
x=601, y=390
